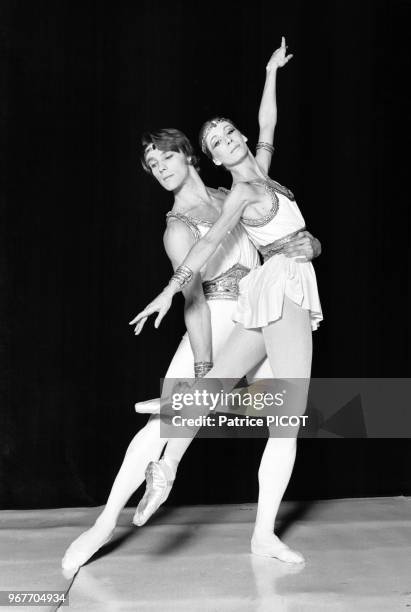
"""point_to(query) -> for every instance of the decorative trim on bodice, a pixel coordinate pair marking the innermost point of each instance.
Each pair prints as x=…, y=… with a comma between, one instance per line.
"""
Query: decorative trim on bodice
x=191, y=222
x=272, y=188
x=187, y=221
x=272, y=212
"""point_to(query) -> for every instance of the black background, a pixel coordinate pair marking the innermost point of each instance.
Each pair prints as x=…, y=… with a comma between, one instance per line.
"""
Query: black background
x=82, y=235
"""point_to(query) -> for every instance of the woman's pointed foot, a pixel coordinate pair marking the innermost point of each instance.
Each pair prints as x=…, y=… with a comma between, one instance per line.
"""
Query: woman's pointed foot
x=85, y=546
x=148, y=407
x=271, y=546
x=160, y=479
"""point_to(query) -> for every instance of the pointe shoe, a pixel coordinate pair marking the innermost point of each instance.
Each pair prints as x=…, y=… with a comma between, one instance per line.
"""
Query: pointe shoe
x=160, y=480
x=148, y=407
x=76, y=556
x=276, y=550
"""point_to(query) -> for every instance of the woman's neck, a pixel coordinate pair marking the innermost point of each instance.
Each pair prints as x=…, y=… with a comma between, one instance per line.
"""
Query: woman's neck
x=246, y=170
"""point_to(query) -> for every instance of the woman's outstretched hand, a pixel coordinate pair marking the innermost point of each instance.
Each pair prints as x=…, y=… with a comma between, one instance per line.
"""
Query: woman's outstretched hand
x=160, y=304
x=279, y=58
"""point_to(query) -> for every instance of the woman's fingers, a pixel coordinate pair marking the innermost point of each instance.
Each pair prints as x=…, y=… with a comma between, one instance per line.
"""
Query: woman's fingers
x=144, y=314
x=138, y=317
x=159, y=318
x=140, y=326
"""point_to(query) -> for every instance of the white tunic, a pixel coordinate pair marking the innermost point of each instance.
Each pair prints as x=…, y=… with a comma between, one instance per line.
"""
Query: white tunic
x=235, y=250
x=262, y=291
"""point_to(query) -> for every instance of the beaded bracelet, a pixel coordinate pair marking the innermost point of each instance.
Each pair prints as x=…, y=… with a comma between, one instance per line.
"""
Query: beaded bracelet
x=265, y=145
x=201, y=368
x=182, y=276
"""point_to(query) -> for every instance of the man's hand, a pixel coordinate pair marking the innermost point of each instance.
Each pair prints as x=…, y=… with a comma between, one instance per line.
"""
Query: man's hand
x=304, y=246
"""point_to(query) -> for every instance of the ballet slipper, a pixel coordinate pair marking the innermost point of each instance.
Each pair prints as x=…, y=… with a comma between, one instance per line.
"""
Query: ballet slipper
x=84, y=547
x=271, y=546
x=160, y=479
x=148, y=407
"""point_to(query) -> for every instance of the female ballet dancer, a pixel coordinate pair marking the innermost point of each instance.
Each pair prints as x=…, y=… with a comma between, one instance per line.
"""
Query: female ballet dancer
x=278, y=304
x=216, y=302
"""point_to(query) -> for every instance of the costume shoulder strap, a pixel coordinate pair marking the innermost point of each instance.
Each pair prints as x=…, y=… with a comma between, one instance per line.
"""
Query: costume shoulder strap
x=187, y=221
x=281, y=189
x=224, y=190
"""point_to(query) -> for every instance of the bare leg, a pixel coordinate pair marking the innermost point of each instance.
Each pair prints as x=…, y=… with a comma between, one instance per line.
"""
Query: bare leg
x=289, y=348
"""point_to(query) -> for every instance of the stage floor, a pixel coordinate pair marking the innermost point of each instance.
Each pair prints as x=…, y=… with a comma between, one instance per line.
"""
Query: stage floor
x=358, y=555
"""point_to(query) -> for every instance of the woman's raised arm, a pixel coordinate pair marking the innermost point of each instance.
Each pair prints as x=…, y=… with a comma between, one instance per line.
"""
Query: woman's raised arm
x=267, y=114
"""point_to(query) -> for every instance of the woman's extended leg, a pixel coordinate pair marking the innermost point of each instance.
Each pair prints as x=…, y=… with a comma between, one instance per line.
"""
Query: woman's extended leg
x=227, y=338
x=242, y=352
x=248, y=348
x=289, y=348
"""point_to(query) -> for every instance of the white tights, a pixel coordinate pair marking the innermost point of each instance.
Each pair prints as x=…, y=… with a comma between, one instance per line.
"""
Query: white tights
x=147, y=445
x=288, y=344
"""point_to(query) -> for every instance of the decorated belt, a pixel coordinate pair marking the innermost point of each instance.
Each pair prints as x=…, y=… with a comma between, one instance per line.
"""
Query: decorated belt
x=274, y=248
x=225, y=286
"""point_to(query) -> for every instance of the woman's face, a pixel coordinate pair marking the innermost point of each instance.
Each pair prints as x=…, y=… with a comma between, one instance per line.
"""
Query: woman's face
x=226, y=144
x=170, y=168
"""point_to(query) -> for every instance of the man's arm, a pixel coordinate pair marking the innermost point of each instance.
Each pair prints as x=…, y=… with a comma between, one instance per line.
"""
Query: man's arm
x=178, y=241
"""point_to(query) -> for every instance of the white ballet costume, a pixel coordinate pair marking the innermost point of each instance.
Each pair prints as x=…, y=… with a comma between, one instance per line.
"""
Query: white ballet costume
x=232, y=260
x=262, y=291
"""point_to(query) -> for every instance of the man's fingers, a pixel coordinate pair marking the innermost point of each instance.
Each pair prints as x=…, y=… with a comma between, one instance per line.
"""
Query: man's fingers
x=289, y=57
x=283, y=41
x=296, y=242
x=299, y=252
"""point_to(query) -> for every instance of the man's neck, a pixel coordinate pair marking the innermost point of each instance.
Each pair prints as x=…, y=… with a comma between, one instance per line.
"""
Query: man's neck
x=192, y=193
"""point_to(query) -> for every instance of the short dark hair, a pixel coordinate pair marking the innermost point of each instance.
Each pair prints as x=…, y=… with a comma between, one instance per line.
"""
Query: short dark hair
x=167, y=139
x=204, y=129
